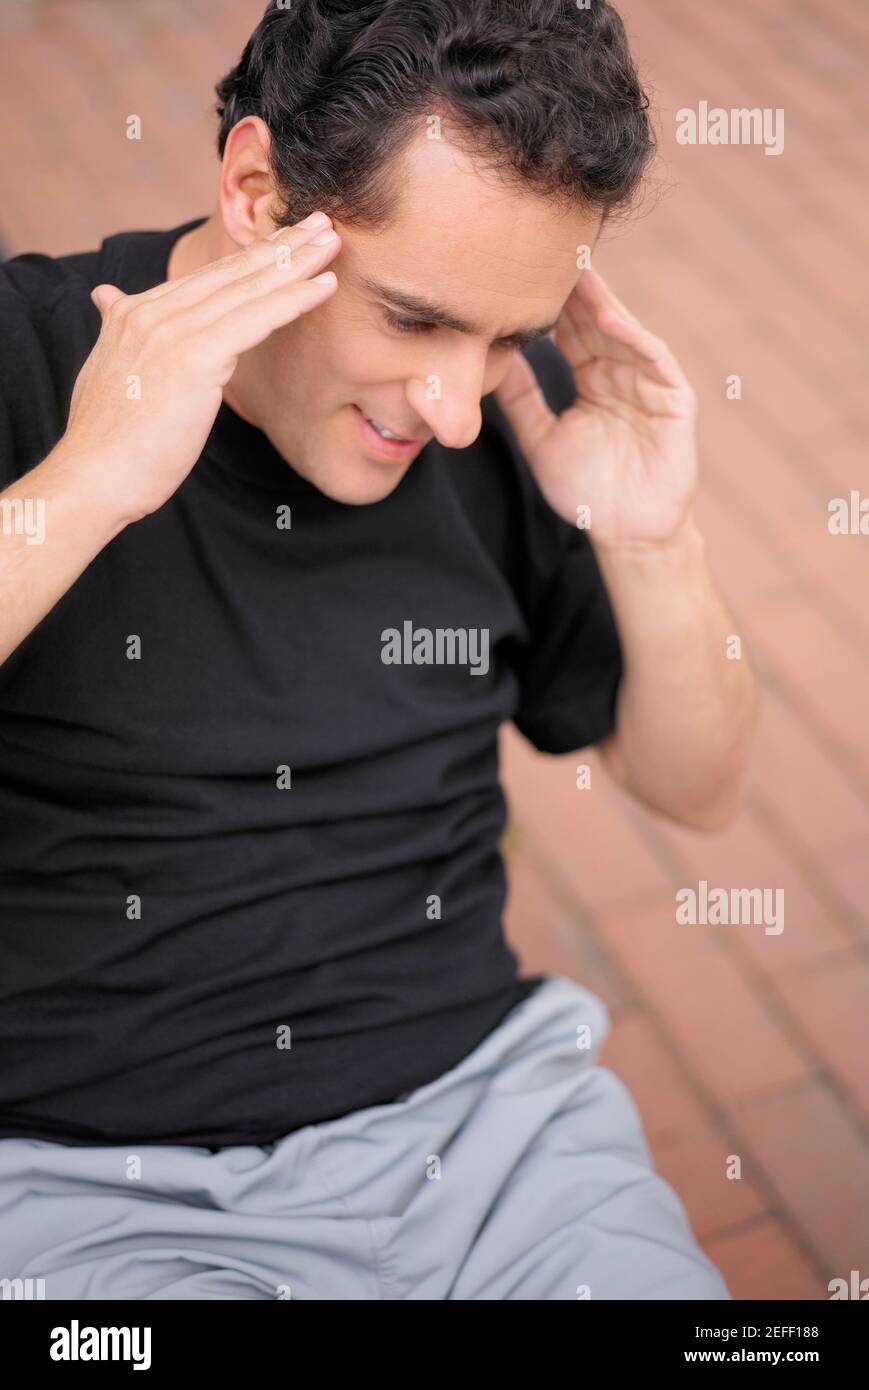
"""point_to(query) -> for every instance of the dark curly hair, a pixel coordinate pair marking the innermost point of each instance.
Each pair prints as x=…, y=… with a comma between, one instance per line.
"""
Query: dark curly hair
x=542, y=92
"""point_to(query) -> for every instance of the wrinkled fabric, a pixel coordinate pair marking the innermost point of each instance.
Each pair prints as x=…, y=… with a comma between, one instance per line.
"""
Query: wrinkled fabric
x=522, y=1173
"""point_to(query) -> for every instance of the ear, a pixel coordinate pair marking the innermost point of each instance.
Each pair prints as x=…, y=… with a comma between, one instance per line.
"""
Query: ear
x=246, y=190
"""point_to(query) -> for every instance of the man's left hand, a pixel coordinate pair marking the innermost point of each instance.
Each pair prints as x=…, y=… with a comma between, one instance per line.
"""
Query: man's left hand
x=626, y=449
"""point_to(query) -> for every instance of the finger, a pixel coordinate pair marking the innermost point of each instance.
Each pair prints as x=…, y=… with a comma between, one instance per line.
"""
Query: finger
x=605, y=331
x=198, y=282
x=585, y=315
x=592, y=290
x=270, y=277
x=104, y=296
x=578, y=340
x=579, y=334
x=651, y=352
x=524, y=405
x=251, y=322
x=191, y=289
x=607, y=382
x=583, y=341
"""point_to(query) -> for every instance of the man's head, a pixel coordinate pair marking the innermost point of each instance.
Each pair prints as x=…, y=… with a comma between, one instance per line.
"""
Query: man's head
x=465, y=150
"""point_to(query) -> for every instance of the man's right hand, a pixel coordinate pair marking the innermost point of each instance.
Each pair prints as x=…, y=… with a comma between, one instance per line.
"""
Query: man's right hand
x=147, y=396
x=143, y=406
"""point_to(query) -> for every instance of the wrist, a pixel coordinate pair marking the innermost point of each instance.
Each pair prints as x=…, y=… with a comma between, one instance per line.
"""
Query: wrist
x=686, y=539
x=659, y=586
x=87, y=481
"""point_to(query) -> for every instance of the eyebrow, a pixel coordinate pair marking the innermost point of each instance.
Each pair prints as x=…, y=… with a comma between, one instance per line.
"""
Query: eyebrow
x=423, y=309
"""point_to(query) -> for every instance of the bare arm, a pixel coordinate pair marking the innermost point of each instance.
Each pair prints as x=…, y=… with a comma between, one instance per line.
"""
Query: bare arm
x=143, y=406
x=624, y=457
x=52, y=525
x=685, y=714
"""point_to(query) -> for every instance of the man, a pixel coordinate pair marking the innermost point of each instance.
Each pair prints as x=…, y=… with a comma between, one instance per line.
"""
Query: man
x=302, y=501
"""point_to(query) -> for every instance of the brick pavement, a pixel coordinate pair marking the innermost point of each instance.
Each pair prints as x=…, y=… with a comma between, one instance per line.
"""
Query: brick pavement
x=733, y=1042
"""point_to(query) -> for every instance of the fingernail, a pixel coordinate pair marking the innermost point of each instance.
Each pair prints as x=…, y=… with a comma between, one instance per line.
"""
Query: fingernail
x=317, y=219
x=323, y=238
x=325, y=279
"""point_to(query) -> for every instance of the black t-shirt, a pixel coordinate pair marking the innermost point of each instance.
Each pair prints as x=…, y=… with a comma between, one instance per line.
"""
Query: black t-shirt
x=249, y=870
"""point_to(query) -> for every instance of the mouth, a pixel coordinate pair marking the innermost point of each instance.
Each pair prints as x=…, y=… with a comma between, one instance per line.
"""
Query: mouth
x=383, y=441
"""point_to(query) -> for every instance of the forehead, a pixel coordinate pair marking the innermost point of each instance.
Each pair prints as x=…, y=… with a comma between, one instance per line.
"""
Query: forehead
x=461, y=235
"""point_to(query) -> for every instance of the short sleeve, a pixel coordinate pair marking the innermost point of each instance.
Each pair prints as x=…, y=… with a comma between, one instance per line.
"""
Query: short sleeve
x=46, y=331
x=571, y=667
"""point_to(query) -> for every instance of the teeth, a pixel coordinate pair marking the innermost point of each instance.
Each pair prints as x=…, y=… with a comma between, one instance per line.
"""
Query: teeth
x=381, y=430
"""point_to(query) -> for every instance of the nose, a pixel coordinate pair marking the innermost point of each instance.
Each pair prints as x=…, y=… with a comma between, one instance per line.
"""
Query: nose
x=449, y=400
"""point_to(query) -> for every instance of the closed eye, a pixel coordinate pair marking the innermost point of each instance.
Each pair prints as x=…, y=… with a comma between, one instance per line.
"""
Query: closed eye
x=514, y=343
x=405, y=325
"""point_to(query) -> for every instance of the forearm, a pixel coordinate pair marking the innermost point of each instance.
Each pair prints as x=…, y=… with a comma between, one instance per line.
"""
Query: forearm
x=53, y=522
x=686, y=703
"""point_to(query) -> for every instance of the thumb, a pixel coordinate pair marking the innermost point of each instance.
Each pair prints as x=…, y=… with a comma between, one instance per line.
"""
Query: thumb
x=104, y=296
x=522, y=401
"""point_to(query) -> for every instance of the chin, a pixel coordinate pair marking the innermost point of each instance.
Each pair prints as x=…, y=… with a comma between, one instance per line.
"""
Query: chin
x=366, y=485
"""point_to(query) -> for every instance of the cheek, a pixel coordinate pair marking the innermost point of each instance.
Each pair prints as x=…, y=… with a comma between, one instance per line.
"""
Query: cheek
x=360, y=353
x=310, y=357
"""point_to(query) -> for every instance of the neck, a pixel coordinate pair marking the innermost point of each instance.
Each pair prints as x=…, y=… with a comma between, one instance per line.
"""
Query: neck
x=196, y=249
x=192, y=251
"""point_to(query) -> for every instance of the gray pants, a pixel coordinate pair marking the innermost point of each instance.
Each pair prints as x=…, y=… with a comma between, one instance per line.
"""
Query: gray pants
x=522, y=1173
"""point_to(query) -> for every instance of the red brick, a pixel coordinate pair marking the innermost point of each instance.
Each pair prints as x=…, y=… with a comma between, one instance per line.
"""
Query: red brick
x=831, y=1002
x=720, y=1024
x=837, y=276
x=831, y=567
x=815, y=1156
x=696, y=1166
x=828, y=673
x=751, y=264
x=760, y=568
x=849, y=20
x=593, y=852
x=549, y=939
x=765, y=1262
x=668, y=1100
x=849, y=867
x=745, y=855
x=813, y=791
x=688, y=1149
